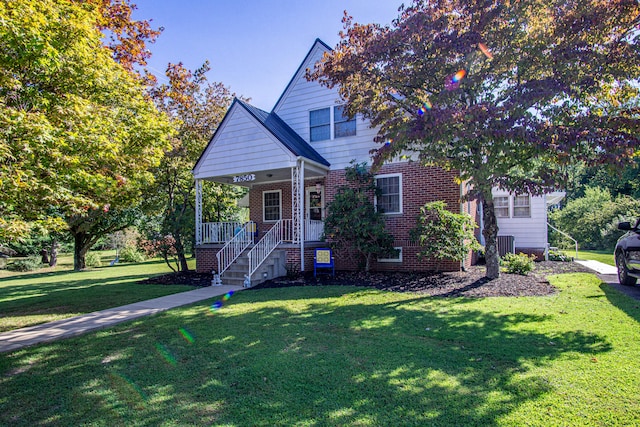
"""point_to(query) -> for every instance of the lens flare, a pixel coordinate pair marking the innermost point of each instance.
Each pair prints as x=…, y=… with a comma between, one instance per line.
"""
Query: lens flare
x=166, y=354
x=216, y=305
x=424, y=107
x=128, y=391
x=227, y=295
x=188, y=336
x=484, y=49
x=458, y=76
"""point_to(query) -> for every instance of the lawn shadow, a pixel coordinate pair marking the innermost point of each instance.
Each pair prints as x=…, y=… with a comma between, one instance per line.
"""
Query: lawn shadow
x=622, y=301
x=342, y=358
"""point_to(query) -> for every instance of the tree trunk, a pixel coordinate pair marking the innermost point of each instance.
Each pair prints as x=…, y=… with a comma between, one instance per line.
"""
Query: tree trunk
x=182, y=259
x=490, y=233
x=53, y=258
x=80, y=248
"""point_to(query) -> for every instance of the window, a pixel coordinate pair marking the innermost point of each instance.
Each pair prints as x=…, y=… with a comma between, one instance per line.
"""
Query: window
x=272, y=207
x=389, y=201
x=320, y=124
x=397, y=257
x=342, y=125
x=501, y=206
x=522, y=206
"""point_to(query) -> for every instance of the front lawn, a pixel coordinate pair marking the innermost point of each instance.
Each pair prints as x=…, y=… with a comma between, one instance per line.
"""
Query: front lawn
x=334, y=355
x=602, y=256
x=28, y=299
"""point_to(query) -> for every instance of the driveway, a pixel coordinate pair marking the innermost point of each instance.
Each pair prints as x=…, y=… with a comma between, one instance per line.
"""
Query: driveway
x=612, y=280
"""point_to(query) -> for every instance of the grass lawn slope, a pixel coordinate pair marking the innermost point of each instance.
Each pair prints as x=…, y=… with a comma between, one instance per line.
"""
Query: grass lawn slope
x=337, y=355
x=27, y=299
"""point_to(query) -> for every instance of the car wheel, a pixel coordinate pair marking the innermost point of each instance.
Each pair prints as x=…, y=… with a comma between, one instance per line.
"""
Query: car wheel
x=623, y=272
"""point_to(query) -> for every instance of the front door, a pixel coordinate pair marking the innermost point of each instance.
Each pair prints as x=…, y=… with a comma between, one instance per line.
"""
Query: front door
x=315, y=204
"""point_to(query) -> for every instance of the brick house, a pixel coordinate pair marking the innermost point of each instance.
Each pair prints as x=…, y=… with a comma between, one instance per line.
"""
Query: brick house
x=293, y=159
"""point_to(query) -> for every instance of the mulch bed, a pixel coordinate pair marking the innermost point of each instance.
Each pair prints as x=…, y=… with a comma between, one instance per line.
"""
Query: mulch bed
x=470, y=283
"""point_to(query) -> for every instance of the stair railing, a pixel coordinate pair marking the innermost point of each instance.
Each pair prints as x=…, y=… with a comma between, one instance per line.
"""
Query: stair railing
x=234, y=247
x=259, y=253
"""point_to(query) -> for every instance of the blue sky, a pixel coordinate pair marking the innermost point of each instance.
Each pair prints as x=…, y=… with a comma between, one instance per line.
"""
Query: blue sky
x=254, y=46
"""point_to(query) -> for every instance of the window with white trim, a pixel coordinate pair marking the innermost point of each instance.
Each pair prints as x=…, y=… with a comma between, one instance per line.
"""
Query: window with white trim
x=320, y=124
x=396, y=257
x=522, y=206
x=330, y=123
x=342, y=125
x=389, y=199
x=501, y=206
x=272, y=205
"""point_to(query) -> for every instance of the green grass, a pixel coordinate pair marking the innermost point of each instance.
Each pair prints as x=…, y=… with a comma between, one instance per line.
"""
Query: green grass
x=28, y=299
x=324, y=356
x=602, y=256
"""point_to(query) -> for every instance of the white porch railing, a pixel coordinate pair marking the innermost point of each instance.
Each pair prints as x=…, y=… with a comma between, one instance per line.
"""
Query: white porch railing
x=276, y=235
x=282, y=231
x=238, y=241
x=218, y=232
x=313, y=230
x=232, y=250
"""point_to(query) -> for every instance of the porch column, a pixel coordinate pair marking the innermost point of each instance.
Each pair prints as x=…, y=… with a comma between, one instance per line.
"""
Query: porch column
x=198, y=211
x=297, y=207
x=301, y=213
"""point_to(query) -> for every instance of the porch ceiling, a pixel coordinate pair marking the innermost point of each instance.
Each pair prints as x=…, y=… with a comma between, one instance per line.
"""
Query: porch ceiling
x=268, y=175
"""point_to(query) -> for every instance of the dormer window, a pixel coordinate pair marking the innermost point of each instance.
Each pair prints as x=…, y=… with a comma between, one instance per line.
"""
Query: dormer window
x=320, y=124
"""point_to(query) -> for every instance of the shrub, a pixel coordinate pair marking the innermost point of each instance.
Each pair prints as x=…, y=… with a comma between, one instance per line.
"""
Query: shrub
x=518, y=264
x=92, y=259
x=443, y=234
x=30, y=263
x=293, y=269
x=559, y=256
x=353, y=224
x=592, y=220
x=131, y=254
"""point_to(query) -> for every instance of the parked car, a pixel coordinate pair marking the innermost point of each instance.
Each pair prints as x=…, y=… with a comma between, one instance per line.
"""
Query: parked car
x=627, y=254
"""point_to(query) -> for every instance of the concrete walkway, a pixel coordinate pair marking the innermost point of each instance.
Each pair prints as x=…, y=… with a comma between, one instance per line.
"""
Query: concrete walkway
x=73, y=326
x=599, y=267
x=609, y=275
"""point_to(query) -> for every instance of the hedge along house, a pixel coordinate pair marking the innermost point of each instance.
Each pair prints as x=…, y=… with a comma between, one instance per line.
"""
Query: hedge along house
x=293, y=161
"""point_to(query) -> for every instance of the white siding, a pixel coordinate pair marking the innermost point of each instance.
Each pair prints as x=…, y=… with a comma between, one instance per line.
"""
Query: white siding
x=241, y=145
x=302, y=96
x=528, y=232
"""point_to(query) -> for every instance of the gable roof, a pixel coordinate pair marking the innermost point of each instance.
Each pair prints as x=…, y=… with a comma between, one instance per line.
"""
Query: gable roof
x=274, y=125
x=287, y=136
x=302, y=64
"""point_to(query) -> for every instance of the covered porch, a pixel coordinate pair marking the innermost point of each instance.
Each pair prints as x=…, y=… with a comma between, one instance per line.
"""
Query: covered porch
x=285, y=177
x=286, y=211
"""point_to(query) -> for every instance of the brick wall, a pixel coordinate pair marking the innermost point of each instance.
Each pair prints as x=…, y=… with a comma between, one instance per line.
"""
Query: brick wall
x=206, y=260
x=420, y=185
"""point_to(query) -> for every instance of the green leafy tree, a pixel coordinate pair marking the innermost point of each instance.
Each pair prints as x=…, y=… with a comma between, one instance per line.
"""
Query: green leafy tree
x=443, y=234
x=352, y=221
x=91, y=226
x=77, y=132
x=592, y=219
x=507, y=93
x=195, y=108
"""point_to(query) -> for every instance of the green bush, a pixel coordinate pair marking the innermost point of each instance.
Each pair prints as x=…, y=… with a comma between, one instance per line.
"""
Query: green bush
x=593, y=219
x=518, y=264
x=559, y=256
x=31, y=263
x=131, y=254
x=92, y=259
x=444, y=235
